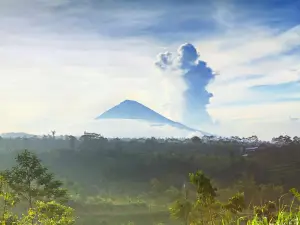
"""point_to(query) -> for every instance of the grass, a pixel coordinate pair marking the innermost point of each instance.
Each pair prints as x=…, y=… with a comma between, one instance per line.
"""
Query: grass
x=283, y=218
x=109, y=209
x=145, y=218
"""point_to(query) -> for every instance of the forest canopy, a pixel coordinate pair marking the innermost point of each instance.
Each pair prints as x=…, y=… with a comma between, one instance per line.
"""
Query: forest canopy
x=113, y=176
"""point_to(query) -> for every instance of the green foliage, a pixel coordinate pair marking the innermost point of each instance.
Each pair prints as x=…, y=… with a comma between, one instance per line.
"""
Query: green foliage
x=205, y=209
x=114, y=174
x=8, y=200
x=181, y=210
x=32, y=181
x=48, y=213
x=266, y=212
x=206, y=193
x=196, y=140
x=236, y=204
x=295, y=193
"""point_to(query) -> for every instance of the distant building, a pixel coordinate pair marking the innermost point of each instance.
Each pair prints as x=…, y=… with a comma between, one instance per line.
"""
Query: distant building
x=251, y=149
x=246, y=150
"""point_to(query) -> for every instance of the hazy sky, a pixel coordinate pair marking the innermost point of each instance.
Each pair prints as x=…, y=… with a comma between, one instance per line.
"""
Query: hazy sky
x=63, y=62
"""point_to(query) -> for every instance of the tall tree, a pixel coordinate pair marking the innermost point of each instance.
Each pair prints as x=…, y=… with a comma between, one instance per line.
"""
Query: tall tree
x=53, y=132
x=72, y=141
x=32, y=181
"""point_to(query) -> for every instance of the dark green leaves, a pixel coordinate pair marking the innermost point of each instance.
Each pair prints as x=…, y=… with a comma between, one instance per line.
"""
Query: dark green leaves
x=32, y=181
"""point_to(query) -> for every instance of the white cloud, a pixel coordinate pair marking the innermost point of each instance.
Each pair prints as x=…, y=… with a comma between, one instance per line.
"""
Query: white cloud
x=252, y=51
x=49, y=83
x=240, y=47
x=238, y=61
x=272, y=111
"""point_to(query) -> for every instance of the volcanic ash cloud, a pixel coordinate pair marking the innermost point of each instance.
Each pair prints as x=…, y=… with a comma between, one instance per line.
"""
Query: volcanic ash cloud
x=196, y=75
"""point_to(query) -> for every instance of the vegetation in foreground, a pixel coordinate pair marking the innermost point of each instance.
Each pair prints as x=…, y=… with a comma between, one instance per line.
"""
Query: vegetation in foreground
x=116, y=181
x=204, y=208
x=31, y=187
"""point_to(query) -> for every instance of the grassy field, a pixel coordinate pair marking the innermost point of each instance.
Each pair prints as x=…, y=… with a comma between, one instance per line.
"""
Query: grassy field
x=122, y=209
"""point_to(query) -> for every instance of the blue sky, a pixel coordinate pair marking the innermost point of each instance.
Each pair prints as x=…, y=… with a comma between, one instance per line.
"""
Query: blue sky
x=84, y=56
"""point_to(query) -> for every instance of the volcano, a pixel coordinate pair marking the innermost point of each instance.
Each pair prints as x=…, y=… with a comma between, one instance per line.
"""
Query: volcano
x=133, y=110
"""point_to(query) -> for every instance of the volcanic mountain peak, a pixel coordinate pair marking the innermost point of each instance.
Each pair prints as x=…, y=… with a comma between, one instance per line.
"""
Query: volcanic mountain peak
x=132, y=102
x=130, y=109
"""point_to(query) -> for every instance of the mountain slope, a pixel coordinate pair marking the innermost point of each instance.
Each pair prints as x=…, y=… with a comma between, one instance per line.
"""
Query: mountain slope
x=134, y=110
